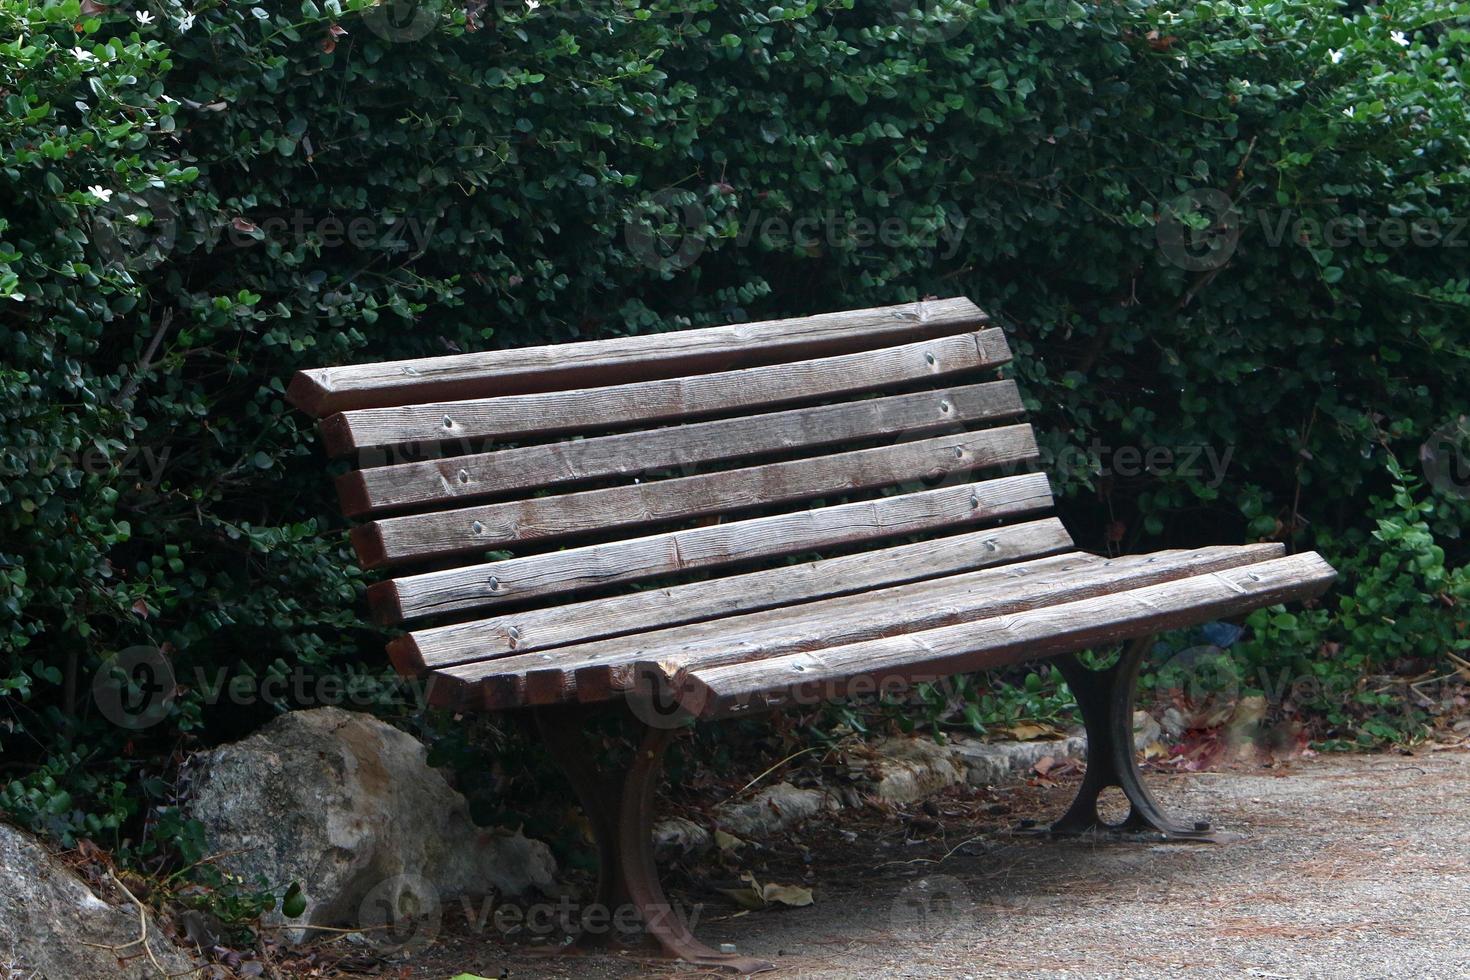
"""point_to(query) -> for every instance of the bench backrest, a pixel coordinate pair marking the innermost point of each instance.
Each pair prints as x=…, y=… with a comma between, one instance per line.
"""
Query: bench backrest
x=498, y=484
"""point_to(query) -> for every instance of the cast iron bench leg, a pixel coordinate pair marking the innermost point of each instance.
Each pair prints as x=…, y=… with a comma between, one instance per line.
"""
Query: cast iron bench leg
x=622, y=822
x=1106, y=699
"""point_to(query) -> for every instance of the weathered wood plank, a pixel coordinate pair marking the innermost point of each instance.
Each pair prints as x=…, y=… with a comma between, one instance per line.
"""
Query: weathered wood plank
x=597, y=671
x=394, y=540
x=897, y=662
x=531, y=467
x=457, y=589
x=619, y=360
x=659, y=400
x=537, y=629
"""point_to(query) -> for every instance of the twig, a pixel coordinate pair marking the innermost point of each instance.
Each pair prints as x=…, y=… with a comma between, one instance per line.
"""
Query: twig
x=769, y=771
x=146, y=361
x=142, y=939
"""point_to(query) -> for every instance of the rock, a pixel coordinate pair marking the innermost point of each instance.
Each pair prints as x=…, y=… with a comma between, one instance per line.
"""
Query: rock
x=1146, y=730
x=677, y=837
x=349, y=808
x=910, y=769
x=53, y=927
x=988, y=763
x=774, y=809
x=1174, y=723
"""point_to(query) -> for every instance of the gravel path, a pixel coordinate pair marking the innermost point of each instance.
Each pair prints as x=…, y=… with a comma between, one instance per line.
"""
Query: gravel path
x=1352, y=866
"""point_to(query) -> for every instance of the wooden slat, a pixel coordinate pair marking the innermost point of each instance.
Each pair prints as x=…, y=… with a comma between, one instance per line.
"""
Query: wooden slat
x=597, y=671
x=395, y=540
x=705, y=547
x=898, y=661
x=537, y=629
x=623, y=359
x=652, y=401
x=531, y=467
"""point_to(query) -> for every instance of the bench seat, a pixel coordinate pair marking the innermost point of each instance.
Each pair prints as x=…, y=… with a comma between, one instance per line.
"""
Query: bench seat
x=719, y=522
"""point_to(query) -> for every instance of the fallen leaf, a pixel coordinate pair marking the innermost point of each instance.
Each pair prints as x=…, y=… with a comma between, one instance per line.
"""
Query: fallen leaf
x=793, y=895
x=753, y=895
x=1029, y=731
x=727, y=842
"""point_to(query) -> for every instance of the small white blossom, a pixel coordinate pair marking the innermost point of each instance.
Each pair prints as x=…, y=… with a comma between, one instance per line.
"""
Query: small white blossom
x=1336, y=56
x=1400, y=38
x=100, y=193
x=186, y=22
x=144, y=17
x=1350, y=111
x=83, y=55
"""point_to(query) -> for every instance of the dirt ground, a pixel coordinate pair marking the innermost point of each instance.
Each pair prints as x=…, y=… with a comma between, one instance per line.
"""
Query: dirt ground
x=1350, y=866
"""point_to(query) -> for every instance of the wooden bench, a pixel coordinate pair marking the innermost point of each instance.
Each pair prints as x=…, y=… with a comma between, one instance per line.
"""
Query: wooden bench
x=821, y=507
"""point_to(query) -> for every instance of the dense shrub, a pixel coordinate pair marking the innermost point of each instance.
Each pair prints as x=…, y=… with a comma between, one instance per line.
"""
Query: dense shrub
x=198, y=203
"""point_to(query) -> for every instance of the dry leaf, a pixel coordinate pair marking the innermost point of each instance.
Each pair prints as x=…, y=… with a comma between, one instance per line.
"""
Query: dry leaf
x=1029, y=731
x=727, y=842
x=753, y=895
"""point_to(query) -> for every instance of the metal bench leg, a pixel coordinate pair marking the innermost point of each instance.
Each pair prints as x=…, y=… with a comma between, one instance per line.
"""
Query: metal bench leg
x=1106, y=699
x=622, y=821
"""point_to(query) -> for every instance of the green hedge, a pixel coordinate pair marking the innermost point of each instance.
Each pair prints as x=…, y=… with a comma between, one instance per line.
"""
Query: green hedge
x=291, y=184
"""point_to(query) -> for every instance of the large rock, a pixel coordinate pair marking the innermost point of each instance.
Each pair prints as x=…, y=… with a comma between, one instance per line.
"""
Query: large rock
x=909, y=769
x=53, y=927
x=993, y=763
x=772, y=810
x=349, y=808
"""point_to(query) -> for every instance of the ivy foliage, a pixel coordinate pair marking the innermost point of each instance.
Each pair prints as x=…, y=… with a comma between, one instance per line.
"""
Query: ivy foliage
x=198, y=202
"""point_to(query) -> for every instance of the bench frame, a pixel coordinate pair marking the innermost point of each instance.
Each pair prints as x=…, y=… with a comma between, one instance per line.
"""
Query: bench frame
x=660, y=664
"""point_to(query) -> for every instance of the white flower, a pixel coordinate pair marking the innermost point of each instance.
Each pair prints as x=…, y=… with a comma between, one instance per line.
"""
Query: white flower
x=144, y=17
x=1336, y=56
x=1401, y=38
x=83, y=55
x=186, y=22
x=1350, y=111
x=100, y=193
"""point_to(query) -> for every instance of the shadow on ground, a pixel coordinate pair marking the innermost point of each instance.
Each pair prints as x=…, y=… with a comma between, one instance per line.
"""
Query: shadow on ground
x=1351, y=866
